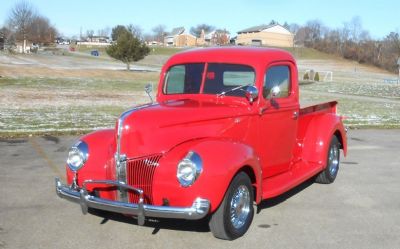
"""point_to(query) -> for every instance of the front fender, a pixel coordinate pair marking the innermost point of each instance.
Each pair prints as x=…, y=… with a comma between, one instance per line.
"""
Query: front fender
x=101, y=145
x=222, y=159
x=317, y=136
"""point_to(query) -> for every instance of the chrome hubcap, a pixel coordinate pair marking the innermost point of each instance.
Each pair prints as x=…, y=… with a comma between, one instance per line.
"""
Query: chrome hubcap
x=240, y=206
x=333, y=160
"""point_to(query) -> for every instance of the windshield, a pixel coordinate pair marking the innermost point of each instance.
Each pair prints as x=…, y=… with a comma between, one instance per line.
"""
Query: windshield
x=220, y=78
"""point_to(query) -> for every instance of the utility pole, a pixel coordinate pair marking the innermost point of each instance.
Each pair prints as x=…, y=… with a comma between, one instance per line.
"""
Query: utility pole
x=398, y=65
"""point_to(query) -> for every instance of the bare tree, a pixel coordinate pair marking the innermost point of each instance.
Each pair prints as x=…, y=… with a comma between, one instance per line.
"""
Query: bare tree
x=20, y=18
x=104, y=32
x=90, y=34
x=220, y=37
x=355, y=28
x=135, y=30
x=294, y=27
x=315, y=30
x=159, y=32
x=196, y=31
x=147, y=37
x=41, y=31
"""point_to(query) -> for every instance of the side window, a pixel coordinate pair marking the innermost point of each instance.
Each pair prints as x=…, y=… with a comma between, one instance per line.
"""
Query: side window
x=183, y=79
x=277, y=76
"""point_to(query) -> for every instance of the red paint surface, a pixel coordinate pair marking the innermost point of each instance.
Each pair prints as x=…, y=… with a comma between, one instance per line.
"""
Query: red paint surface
x=266, y=140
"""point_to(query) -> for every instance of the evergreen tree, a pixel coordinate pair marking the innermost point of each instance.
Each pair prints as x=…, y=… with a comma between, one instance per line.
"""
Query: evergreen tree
x=127, y=49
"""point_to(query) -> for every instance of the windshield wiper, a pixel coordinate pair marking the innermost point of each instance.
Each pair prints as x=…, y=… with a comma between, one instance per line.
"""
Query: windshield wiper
x=231, y=90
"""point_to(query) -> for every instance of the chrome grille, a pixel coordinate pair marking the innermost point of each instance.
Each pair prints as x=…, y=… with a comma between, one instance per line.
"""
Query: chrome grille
x=140, y=172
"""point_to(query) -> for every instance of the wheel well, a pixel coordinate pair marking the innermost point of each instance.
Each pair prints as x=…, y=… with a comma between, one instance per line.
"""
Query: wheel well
x=339, y=137
x=249, y=171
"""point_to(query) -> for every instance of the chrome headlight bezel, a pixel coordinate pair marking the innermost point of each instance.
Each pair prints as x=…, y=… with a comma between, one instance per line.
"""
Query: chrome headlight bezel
x=78, y=154
x=189, y=169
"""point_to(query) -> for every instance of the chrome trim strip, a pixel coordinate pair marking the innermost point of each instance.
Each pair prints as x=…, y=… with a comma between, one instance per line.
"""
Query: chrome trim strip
x=120, y=159
x=198, y=210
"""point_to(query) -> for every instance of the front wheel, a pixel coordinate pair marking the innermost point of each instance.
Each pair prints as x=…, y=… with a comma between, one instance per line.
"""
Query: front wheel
x=328, y=175
x=235, y=214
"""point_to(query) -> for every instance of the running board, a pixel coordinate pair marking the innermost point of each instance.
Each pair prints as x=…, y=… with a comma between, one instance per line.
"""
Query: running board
x=279, y=184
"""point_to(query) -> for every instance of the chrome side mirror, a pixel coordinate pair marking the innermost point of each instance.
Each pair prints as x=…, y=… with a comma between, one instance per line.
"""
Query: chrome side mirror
x=275, y=91
x=149, y=89
x=251, y=93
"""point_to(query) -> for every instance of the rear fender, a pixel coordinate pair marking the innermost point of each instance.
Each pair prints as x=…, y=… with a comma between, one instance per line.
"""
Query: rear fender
x=317, y=133
x=222, y=160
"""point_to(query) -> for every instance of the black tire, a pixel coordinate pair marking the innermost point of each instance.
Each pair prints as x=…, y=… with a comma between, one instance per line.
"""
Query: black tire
x=221, y=224
x=328, y=175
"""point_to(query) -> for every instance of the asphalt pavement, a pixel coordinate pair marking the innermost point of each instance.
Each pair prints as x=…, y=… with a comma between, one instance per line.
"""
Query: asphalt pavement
x=361, y=209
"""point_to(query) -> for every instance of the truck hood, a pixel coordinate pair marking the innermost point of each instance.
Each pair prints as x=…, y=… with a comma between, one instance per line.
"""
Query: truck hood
x=159, y=127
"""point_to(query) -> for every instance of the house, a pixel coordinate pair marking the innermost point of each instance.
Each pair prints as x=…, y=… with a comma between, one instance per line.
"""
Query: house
x=95, y=41
x=98, y=39
x=179, y=38
x=274, y=35
x=217, y=37
x=24, y=47
x=213, y=38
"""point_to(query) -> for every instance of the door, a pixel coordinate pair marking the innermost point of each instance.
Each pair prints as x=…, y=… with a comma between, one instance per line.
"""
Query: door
x=278, y=121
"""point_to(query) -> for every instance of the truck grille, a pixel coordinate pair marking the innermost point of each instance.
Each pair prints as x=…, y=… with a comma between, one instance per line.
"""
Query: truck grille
x=140, y=172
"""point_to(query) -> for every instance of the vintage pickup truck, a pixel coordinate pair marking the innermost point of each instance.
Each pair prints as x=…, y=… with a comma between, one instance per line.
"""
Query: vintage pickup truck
x=226, y=132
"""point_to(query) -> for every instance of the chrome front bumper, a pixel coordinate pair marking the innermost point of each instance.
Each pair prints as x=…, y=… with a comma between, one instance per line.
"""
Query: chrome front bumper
x=198, y=210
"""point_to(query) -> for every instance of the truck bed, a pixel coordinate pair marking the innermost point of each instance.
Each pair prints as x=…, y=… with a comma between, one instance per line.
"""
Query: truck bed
x=308, y=107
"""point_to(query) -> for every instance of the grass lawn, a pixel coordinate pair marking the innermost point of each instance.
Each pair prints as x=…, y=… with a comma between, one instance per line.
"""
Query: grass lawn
x=66, y=105
x=40, y=100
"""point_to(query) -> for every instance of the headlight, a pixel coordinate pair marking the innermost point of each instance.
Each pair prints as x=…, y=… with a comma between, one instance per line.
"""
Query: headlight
x=189, y=169
x=77, y=156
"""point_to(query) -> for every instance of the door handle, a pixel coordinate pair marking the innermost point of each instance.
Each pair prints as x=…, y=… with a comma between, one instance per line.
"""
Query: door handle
x=295, y=115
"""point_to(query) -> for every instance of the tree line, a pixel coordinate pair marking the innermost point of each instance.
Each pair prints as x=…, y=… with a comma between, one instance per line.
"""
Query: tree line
x=350, y=41
x=26, y=23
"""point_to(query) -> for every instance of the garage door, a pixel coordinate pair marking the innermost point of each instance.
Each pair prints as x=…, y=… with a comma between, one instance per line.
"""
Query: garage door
x=256, y=42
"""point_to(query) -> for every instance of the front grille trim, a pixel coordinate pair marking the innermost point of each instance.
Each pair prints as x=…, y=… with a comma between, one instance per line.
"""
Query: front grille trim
x=139, y=174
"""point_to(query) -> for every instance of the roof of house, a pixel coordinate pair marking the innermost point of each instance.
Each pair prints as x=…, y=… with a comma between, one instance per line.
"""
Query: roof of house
x=259, y=28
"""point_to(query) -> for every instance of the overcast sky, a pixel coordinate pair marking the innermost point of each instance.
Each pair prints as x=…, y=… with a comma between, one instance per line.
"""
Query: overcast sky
x=378, y=17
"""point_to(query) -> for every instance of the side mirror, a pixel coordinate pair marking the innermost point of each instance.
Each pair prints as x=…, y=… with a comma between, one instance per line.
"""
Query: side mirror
x=275, y=91
x=149, y=89
x=251, y=93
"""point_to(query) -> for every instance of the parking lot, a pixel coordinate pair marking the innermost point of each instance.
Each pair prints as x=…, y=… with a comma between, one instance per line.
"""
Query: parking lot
x=360, y=210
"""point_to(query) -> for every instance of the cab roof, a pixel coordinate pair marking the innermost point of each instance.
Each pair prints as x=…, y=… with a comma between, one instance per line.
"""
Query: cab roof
x=241, y=55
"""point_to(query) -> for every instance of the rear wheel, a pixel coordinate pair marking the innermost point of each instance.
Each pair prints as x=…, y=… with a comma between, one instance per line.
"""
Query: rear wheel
x=328, y=175
x=235, y=214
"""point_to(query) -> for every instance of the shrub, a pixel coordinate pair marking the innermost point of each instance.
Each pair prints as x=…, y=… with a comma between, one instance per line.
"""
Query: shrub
x=316, y=77
x=306, y=76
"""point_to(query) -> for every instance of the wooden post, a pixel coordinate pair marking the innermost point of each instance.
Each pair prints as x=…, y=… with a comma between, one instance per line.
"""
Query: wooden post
x=398, y=64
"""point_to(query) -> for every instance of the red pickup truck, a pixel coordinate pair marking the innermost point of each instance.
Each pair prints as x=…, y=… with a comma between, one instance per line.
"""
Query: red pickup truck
x=226, y=132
